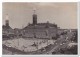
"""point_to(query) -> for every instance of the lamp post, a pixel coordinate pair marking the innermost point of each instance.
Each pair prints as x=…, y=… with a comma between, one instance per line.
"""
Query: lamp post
x=47, y=35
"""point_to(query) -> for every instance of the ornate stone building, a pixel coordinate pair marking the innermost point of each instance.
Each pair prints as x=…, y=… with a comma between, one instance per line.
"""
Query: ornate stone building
x=40, y=30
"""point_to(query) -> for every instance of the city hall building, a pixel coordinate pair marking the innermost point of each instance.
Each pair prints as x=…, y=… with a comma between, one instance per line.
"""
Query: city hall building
x=40, y=30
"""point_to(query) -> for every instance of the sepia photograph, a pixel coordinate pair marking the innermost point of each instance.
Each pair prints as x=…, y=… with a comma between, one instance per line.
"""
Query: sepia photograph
x=39, y=28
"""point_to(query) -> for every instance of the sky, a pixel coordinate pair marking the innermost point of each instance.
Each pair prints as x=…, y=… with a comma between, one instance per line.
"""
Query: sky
x=20, y=14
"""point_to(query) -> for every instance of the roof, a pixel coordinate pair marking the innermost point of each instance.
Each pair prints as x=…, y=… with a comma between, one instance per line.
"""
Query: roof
x=6, y=27
x=41, y=25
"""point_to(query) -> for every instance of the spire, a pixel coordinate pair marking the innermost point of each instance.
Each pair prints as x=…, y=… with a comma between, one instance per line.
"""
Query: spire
x=7, y=17
x=34, y=11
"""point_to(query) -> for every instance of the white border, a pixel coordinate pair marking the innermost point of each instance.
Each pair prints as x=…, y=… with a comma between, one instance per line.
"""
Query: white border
x=34, y=1
x=40, y=0
x=78, y=20
x=0, y=27
x=40, y=56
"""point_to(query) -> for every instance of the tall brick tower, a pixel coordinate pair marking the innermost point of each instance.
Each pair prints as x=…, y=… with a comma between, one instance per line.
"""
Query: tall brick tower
x=34, y=17
x=7, y=20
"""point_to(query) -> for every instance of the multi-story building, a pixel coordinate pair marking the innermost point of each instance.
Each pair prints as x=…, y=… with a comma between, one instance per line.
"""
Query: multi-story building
x=40, y=30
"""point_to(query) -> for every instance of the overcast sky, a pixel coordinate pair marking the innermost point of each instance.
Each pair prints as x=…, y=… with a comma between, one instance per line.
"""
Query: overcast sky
x=20, y=14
